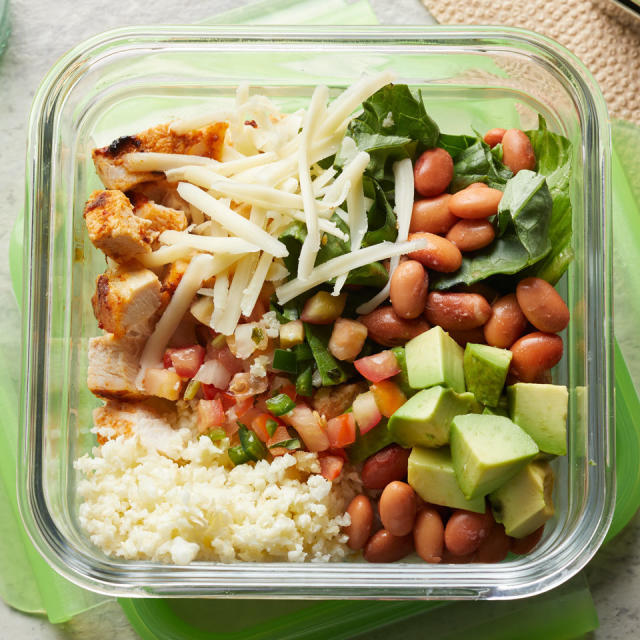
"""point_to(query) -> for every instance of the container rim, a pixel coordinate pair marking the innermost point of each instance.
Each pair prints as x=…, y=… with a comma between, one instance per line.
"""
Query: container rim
x=307, y=580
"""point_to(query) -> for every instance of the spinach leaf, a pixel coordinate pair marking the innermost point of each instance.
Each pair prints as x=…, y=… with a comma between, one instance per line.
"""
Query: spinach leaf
x=382, y=223
x=477, y=163
x=553, y=156
x=331, y=371
x=393, y=125
x=455, y=144
x=371, y=275
x=523, y=223
x=527, y=204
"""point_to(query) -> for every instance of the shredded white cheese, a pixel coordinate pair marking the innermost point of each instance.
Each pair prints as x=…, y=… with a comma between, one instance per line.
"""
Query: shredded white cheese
x=344, y=263
x=165, y=255
x=352, y=98
x=311, y=244
x=200, y=269
x=211, y=244
x=231, y=311
x=357, y=220
x=231, y=220
x=403, y=178
x=220, y=295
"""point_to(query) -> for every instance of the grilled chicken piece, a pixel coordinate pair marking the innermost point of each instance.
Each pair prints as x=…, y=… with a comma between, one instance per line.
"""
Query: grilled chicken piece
x=113, y=367
x=126, y=419
x=126, y=300
x=109, y=161
x=114, y=228
x=162, y=218
x=334, y=401
x=171, y=280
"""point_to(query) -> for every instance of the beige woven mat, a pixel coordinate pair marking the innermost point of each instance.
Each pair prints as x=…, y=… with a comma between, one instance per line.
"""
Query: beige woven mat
x=607, y=41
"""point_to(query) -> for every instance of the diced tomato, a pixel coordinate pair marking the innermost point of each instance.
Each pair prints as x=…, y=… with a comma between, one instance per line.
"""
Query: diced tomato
x=378, y=367
x=331, y=466
x=210, y=391
x=259, y=425
x=290, y=390
x=389, y=397
x=307, y=424
x=210, y=414
x=342, y=430
x=186, y=361
x=366, y=412
x=281, y=434
x=341, y=453
x=242, y=406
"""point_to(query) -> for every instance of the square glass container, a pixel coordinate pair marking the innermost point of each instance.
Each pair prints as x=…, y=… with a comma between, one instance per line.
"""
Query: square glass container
x=120, y=82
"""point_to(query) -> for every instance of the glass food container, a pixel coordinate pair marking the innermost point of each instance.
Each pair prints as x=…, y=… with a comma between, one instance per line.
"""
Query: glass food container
x=123, y=81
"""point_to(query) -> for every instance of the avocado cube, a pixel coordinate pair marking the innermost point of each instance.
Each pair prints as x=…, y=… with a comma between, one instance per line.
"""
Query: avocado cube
x=524, y=503
x=485, y=371
x=432, y=477
x=541, y=410
x=487, y=451
x=424, y=419
x=433, y=358
x=369, y=443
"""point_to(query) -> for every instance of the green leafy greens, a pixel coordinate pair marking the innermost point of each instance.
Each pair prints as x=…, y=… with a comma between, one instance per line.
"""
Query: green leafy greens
x=393, y=125
x=533, y=225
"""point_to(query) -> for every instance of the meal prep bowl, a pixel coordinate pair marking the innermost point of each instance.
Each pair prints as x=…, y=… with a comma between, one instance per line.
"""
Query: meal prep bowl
x=126, y=80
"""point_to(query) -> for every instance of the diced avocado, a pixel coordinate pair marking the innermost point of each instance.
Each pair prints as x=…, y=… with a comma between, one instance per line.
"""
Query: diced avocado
x=369, y=443
x=424, y=419
x=402, y=379
x=432, y=477
x=541, y=410
x=485, y=371
x=501, y=409
x=524, y=503
x=433, y=358
x=487, y=451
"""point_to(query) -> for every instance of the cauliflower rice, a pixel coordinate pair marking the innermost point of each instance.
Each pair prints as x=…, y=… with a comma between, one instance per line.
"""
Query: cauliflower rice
x=138, y=503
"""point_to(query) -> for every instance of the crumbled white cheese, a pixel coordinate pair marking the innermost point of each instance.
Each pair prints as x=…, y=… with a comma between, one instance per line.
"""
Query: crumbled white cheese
x=388, y=121
x=258, y=367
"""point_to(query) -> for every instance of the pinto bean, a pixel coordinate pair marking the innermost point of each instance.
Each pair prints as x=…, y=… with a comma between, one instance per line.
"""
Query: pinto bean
x=534, y=354
x=361, y=514
x=428, y=535
x=475, y=203
x=385, y=547
x=494, y=136
x=398, y=508
x=432, y=215
x=387, y=328
x=385, y=466
x=476, y=336
x=542, y=305
x=439, y=254
x=471, y=235
x=433, y=172
x=517, y=151
x=522, y=546
x=409, y=288
x=457, y=311
x=466, y=530
x=495, y=547
x=506, y=324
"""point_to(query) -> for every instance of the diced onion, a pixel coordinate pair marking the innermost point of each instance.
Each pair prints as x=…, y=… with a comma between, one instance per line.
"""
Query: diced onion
x=215, y=373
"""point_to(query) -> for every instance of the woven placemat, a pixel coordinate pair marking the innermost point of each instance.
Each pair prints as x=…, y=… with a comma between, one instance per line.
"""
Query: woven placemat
x=607, y=42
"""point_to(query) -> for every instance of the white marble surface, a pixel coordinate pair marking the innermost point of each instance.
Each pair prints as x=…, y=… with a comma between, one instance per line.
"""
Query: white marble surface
x=42, y=31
